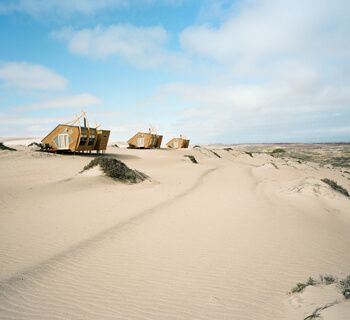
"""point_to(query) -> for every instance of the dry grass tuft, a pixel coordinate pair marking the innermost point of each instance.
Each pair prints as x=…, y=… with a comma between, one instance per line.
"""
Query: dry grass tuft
x=3, y=147
x=335, y=186
x=117, y=170
x=192, y=158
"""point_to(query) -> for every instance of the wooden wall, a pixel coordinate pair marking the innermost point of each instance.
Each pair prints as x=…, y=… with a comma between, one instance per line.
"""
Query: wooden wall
x=149, y=140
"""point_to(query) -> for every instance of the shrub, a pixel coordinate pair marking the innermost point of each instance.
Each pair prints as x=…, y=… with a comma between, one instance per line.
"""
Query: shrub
x=3, y=147
x=215, y=154
x=228, y=149
x=278, y=152
x=340, y=161
x=301, y=286
x=41, y=146
x=345, y=287
x=192, y=158
x=248, y=153
x=311, y=281
x=328, y=279
x=336, y=186
x=116, y=169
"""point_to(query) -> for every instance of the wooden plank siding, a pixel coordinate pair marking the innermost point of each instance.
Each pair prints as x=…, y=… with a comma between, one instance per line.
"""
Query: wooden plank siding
x=178, y=143
x=81, y=139
x=142, y=140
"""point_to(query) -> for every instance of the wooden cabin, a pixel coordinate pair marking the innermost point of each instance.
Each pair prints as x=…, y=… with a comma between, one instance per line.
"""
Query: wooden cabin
x=74, y=137
x=142, y=140
x=177, y=143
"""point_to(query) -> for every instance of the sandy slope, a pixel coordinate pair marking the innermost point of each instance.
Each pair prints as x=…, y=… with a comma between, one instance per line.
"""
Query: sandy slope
x=223, y=239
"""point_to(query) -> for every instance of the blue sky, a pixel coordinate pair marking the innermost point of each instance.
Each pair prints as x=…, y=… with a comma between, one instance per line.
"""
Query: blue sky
x=215, y=71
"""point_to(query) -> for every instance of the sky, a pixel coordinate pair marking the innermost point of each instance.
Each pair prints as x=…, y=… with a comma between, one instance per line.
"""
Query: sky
x=241, y=71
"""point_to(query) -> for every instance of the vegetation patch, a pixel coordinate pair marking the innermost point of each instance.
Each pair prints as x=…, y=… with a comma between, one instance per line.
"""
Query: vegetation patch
x=116, y=169
x=3, y=147
x=217, y=155
x=327, y=279
x=248, y=153
x=335, y=186
x=274, y=165
x=41, y=146
x=228, y=149
x=302, y=285
x=340, y=161
x=192, y=158
x=300, y=156
x=344, y=286
x=278, y=152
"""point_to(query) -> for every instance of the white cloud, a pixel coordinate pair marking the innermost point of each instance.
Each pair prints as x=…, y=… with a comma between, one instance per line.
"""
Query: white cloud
x=273, y=68
x=271, y=111
x=27, y=76
x=76, y=101
x=260, y=30
x=139, y=46
x=15, y=126
x=12, y=120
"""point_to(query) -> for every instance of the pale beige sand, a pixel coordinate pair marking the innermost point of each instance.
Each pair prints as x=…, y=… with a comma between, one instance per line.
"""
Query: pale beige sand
x=222, y=239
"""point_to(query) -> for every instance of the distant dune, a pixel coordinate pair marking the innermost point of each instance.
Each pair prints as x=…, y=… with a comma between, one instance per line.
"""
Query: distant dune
x=224, y=238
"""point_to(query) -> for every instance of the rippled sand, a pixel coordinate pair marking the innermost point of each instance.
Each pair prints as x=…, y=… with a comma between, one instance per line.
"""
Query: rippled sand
x=224, y=239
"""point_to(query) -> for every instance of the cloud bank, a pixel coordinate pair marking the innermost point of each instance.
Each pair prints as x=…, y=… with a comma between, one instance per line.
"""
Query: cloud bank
x=76, y=101
x=26, y=76
x=275, y=68
x=142, y=47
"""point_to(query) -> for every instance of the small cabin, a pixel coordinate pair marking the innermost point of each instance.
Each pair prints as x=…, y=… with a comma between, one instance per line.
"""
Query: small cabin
x=142, y=140
x=74, y=137
x=178, y=143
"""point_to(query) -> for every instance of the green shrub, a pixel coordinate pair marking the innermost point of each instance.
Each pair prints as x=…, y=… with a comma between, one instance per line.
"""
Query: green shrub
x=301, y=286
x=217, y=155
x=336, y=186
x=311, y=282
x=41, y=146
x=345, y=287
x=116, y=169
x=278, y=152
x=192, y=158
x=328, y=279
x=3, y=147
x=340, y=161
x=344, y=284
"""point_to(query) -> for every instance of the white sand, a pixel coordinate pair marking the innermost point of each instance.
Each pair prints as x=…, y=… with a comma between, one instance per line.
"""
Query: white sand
x=223, y=239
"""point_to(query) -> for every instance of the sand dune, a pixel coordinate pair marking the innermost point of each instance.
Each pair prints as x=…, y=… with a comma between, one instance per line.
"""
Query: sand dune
x=226, y=238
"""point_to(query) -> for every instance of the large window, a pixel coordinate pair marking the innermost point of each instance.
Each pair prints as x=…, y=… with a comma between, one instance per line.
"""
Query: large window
x=140, y=143
x=91, y=140
x=63, y=141
x=83, y=139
